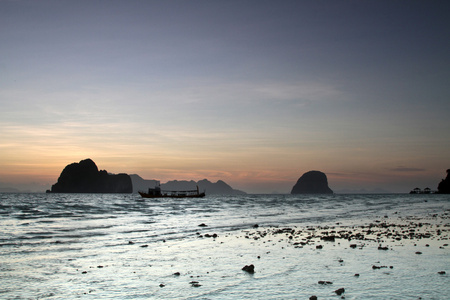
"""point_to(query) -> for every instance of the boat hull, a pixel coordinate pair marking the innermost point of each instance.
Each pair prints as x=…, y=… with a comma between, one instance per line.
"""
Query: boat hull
x=145, y=195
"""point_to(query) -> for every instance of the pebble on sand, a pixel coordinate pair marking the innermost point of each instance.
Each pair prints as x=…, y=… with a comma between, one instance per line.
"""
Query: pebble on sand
x=339, y=291
x=195, y=283
x=249, y=269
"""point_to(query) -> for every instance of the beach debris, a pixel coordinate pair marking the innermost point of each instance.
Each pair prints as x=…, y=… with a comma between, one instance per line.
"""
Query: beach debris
x=143, y=246
x=249, y=269
x=339, y=291
x=356, y=275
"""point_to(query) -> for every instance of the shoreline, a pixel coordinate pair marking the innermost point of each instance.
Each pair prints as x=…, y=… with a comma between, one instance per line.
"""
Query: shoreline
x=347, y=260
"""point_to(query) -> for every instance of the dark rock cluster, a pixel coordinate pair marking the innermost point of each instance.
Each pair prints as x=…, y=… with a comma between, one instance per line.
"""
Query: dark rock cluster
x=84, y=177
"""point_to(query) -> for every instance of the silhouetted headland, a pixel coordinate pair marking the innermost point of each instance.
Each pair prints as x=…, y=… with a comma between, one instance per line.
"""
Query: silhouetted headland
x=312, y=182
x=84, y=177
x=444, y=185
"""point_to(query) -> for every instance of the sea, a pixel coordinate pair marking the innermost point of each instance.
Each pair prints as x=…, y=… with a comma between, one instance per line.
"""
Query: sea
x=121, y=246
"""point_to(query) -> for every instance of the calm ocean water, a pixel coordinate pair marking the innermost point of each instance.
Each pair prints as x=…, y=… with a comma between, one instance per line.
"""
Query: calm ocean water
x=119, y=246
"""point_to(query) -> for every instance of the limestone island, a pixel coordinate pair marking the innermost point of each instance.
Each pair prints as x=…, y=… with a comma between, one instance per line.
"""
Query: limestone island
x=312, y=182
x=84, y=177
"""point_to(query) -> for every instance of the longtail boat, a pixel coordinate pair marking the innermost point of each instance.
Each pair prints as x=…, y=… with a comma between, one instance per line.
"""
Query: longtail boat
x=158, y=193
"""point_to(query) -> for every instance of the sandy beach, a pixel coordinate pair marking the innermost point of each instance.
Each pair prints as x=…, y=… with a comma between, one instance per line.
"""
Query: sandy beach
x=386, y=258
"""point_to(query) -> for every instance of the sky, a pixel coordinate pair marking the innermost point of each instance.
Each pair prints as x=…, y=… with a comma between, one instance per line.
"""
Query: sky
x=254, y=93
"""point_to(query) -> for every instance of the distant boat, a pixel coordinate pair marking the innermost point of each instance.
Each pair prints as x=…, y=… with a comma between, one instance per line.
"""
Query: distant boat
x=425, y=191
x=158, y=193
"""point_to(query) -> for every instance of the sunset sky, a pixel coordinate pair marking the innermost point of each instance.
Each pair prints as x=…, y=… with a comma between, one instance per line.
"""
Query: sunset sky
x=254, y=93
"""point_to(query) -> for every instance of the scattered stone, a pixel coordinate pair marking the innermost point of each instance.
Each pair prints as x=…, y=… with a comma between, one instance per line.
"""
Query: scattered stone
x=356, y=275
x=255, y=226
x=202, y=225
x=211, y=235
x=144, y=246
x=319, y=247
x=176, y=274
x=382, y=248
x=85, y=272
x=162, y=285
x=339, y=291
x=441, y=272
x=130, y=243
x=378, y=267
x=313, y=297
x=324, y=282
x=330, y=238
x=249, y=269
x=418, y=252
x=99, y=267
x=195, y=283
x=353, y=246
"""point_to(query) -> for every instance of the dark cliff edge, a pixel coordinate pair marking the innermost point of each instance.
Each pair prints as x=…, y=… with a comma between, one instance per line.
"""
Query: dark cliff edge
x=312, y=182
x=444, y=185
x=84, y=177
x=218, y=188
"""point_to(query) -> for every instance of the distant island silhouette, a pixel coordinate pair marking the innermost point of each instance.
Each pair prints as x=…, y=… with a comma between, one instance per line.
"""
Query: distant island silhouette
x=218, y=188
x=312, y=182
x=84, y=177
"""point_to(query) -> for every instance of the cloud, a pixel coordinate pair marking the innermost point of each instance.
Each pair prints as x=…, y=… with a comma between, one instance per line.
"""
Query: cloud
x=406, y=169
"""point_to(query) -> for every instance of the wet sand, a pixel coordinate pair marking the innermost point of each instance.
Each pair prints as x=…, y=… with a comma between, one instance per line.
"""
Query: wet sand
x=384, y=258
